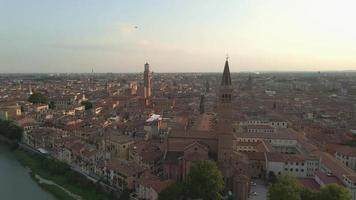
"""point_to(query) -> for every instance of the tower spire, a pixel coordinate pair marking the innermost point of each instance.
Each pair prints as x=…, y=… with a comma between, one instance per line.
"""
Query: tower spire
x=226, y=78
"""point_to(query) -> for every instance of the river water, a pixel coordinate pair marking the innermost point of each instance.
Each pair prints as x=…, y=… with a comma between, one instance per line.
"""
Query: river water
x=15, y=182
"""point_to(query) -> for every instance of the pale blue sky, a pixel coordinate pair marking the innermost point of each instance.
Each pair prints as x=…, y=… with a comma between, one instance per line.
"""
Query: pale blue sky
x=176, y=36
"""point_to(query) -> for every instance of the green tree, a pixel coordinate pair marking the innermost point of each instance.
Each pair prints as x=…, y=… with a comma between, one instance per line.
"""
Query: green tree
x=286, y=187
x=334, y=192
x=174, y=191
x=88, y=105
x=307, y=194
x=51, y=105
x=38, y=97
x=10, y=130
x=125, y=195
x=272, y=178
x=204, y=181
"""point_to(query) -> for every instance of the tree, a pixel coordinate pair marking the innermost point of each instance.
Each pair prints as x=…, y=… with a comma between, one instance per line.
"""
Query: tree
x=125, y=195
x=88, y=105
x=204, y=181
x=334, y=192
x=51, y=105
x=174, y=191
x=272, y=178
x=38, y=97
x=10, y=130
x=286, y=187
x=307, y=194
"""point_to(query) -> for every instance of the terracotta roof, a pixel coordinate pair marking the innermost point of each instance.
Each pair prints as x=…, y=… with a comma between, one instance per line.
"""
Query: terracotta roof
x=204, y=122
x=346, y=150
x=77, y=148
x=327, y=179
x=154, y=182
x=255, y=156
x=127, y=168
x=280, y=157
x=309, y=183
x=148, y=151
x=335, y=166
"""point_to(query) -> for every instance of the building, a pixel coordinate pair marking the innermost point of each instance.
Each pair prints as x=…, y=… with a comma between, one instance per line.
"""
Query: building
x=347, y=155
x=63, y=102
x=122, y=174
x=148, y=155
x=209, y=136
x=118, y=146
x=9, y=110
x=295, y=165
x=149, y=186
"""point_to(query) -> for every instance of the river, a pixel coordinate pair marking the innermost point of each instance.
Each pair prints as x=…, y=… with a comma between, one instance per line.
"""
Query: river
x=15, y=182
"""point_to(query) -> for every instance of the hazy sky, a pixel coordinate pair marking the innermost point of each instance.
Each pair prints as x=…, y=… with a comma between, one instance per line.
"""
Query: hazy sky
x=175, y=36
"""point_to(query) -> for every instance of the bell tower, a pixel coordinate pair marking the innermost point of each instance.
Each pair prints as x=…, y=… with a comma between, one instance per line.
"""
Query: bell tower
x=225, y=133
x=147, y=78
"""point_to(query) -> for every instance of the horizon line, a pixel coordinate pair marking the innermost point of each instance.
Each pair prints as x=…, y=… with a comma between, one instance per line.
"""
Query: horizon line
x=192, y=72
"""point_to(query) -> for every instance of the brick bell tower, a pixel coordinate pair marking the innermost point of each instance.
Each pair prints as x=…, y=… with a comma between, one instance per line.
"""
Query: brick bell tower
x=225, y=131
x=147, y=78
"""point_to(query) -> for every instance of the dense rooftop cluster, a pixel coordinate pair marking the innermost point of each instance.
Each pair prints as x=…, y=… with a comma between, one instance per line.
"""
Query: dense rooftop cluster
x=142, y=132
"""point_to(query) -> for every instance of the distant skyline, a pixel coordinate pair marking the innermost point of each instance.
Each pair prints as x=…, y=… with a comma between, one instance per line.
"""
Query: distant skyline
x=74, y=36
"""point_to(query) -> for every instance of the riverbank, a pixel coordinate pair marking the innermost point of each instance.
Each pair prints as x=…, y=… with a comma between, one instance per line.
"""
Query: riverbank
x=61, y=175
x=55, y=189
x=15, y=181
x=12, y=144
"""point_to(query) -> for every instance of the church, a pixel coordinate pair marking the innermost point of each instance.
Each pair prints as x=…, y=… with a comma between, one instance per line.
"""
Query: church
x=209, y=136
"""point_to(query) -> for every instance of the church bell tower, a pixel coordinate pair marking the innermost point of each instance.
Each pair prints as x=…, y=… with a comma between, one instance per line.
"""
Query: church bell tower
x=225, y=133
